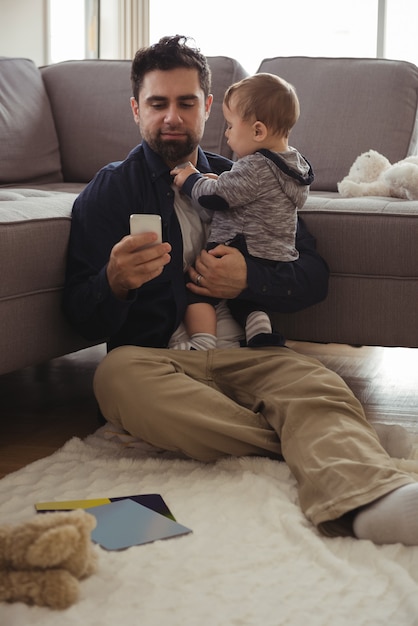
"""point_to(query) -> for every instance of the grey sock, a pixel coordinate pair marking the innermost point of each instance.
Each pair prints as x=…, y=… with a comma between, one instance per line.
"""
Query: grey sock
x=391, y=519
x=182, y=345
x=203, y=341
x=258, y=322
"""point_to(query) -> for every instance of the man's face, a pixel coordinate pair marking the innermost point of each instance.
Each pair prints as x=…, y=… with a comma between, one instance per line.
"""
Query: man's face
x=171, y=113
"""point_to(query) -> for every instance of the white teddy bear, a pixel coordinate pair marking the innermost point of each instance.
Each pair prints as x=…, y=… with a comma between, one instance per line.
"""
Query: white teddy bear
x=372, y=175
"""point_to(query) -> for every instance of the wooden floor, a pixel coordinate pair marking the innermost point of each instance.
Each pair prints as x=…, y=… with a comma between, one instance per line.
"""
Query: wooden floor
x=44, y=406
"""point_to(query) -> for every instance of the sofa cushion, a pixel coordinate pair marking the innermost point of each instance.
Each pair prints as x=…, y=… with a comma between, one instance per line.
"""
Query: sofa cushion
x=364, y=236
x=347, y=108
x=91, y=108
x=37, y=223
x=34, y=231
x=28, y=142
x=225, y=71
x=370, y=246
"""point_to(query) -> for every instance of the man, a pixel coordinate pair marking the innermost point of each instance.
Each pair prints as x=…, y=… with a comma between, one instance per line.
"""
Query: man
x=229, y=401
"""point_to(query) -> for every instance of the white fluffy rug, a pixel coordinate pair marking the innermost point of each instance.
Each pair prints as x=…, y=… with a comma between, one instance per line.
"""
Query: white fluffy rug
x=252, y=559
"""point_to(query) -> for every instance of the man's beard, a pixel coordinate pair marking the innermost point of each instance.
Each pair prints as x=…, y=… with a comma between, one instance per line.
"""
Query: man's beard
x=173, y=152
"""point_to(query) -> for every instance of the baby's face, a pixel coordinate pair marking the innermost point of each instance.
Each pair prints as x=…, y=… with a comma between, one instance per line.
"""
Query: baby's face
x=240, y=133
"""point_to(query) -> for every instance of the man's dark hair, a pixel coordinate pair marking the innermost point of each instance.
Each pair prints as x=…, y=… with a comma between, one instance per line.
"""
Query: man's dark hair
x=168, y=54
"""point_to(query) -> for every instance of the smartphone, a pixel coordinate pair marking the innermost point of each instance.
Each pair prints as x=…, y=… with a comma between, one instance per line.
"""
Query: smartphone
x=146, y=223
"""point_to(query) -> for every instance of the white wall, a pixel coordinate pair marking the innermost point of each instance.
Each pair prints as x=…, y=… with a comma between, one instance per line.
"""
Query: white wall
x=109, y=29
x=23, y=29
x=124, y=27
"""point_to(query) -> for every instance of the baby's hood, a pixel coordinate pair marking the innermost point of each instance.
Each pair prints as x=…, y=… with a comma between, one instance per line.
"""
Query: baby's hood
x=293, y=171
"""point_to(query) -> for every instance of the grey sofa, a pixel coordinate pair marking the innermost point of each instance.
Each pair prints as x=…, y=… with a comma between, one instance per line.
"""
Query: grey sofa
x=61, y=123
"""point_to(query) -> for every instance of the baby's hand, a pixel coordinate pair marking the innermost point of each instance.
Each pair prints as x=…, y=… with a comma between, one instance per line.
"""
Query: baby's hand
x=182, y=172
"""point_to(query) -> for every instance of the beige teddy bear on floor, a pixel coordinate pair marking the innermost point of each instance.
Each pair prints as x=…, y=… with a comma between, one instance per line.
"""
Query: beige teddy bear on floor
x=373, y=175
x=42, y=560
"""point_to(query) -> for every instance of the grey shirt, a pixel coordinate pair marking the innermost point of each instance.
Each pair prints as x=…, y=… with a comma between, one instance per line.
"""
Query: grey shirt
x=259, y=198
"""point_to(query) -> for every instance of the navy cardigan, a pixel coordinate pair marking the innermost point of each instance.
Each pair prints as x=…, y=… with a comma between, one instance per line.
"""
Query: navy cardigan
x=142, y=184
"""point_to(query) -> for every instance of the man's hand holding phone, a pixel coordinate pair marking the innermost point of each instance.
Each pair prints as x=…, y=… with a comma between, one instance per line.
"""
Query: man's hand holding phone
x=138, y=257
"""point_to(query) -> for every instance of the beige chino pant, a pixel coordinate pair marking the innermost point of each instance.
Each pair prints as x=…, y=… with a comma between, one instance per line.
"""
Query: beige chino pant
x=246, y=401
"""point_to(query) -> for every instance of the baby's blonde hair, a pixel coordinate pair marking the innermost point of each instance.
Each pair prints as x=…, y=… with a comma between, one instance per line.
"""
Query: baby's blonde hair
x=265, y=98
